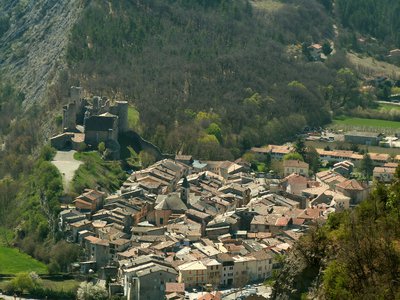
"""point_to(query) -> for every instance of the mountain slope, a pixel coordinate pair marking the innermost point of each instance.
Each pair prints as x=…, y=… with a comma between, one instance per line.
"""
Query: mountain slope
x=33, y=40
x=187, y=64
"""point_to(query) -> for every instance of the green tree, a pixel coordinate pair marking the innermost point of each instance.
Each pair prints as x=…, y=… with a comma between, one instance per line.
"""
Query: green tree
x=300, y=147
x=366, y=166
x=101, y=147
x=312, y=158
x=25, y=282
x=326, y=48
x=133, y=160
x=293, y=156
x=215, y=130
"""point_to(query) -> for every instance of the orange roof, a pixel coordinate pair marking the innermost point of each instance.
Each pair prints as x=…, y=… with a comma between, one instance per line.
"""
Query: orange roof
x=295, y=164
x=351, y=184
x=174, y=287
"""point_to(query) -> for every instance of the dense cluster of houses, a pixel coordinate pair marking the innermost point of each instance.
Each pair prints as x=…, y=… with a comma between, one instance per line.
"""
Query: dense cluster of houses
x=183, y=224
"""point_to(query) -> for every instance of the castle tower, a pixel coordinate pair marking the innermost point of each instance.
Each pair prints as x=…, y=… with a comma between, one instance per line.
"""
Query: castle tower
x=76, y=94
x=69, y=117
x=122, y=108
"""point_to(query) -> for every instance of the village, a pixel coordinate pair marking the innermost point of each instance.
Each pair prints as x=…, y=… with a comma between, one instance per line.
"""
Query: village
x=203, y=229
x=188, y=225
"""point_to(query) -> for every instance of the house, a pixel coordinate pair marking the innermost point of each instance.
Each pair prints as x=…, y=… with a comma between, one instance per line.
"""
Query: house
x=263, y=266
x=276, y=151
x=315, y=51
x=344, y=168
x=146, y=277
x=384, y=174
x=353, y=189
x=167, y=206
x=214, y=271
x=294, y=184
x=363, y=138
x=89, y=201
x=295, y=166
x=329, y=178
x=211, y=296
x=270, y=223
x=193, y=274
x=227, y=263
x=174, y=288
x=97, y=250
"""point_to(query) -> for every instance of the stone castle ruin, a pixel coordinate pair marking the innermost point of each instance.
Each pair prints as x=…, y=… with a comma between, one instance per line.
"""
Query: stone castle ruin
x=88, y=122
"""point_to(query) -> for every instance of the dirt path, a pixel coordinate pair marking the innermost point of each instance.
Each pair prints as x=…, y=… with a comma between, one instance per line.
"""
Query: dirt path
x=67, y=165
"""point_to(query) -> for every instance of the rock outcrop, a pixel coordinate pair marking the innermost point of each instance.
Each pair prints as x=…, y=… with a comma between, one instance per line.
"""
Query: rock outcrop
x=33, y=47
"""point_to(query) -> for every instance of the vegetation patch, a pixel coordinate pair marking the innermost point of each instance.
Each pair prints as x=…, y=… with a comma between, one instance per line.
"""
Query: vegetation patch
x=388, y=107
x=12, y=261
x=267, y=5
x=96, y=172
x=369, y=65
x=133, y=118
x=361, y=122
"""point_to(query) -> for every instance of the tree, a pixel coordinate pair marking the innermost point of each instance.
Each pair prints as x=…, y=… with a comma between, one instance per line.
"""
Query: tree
x=293, y=156
x=90, y=291
x=300, y=147
x=63, y=254
x=215, y=130
x=101, y=147
x=366, y=166
x=133, y=160
x=312, y=158
x=326, y=48
x=25, y=282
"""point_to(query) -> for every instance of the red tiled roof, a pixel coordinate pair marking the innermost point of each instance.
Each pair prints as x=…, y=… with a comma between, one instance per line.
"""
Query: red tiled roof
x=351, y=184
x=174, y=287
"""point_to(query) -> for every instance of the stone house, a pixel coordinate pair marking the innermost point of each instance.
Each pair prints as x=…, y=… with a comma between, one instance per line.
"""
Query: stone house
x=295, y=166
x=97, y=250
x=146, y=277
x=353, y=189
x=89, y=201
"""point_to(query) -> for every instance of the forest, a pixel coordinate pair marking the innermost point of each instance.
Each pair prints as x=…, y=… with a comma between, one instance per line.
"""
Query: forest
x=377, y=18
x=209, y=78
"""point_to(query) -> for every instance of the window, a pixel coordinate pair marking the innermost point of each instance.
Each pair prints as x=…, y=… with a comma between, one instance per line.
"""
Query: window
x=161, y=220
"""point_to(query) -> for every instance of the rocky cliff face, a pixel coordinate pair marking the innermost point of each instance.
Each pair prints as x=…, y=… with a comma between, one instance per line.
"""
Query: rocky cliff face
x=33, y=42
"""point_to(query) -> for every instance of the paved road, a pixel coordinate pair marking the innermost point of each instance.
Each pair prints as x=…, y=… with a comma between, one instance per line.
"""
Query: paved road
x=67, y=165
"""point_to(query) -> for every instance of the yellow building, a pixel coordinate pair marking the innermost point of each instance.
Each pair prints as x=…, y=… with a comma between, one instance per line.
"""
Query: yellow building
x=193, y=274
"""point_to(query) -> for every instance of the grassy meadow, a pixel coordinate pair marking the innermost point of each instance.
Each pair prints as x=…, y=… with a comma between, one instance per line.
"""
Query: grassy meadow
x=12, y=261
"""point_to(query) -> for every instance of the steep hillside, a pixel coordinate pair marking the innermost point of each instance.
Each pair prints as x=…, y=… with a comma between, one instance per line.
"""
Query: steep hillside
x=33, y=39
x=185, y=65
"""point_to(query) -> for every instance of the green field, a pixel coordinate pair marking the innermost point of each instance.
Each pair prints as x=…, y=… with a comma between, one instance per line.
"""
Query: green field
x=55, y=285
x=360, y=122
x=12, y=261
x=335, y=145
x=388, y=107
